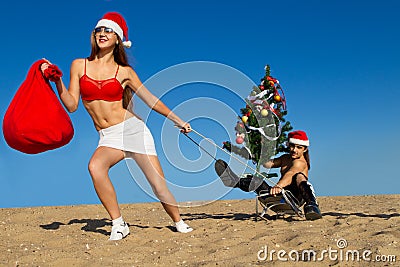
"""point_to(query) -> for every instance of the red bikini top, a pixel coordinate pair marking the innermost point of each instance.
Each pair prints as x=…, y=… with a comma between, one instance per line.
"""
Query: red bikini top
x=108, y=89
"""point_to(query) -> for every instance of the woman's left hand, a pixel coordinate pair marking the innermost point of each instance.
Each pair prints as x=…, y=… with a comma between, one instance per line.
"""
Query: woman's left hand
x=44, y=65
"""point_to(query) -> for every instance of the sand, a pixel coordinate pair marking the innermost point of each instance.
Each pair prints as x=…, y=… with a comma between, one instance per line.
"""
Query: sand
x=226, y=234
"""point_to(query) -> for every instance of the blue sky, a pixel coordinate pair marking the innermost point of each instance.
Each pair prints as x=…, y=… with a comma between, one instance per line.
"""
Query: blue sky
x=338, y=62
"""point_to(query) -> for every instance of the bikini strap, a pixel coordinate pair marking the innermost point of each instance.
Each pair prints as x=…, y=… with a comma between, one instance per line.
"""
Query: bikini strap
x=117, y=72
x=85, y=66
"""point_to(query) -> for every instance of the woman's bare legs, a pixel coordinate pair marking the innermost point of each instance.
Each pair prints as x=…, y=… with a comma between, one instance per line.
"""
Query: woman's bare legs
x=101, y=162
x=151, y=168
x=99, y=165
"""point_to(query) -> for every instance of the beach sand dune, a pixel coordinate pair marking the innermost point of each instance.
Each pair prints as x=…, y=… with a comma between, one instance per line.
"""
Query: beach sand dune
x=226, y=234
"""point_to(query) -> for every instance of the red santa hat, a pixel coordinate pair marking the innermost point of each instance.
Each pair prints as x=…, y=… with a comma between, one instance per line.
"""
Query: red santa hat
x=298, y=138
x=116, y=22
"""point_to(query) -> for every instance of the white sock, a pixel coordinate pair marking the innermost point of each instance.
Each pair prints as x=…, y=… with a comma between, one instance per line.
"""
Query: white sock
x=119, y=220
x=182, y=227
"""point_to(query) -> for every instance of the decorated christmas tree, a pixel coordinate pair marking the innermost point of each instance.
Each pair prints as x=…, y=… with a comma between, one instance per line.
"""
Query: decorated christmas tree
x=262, y=128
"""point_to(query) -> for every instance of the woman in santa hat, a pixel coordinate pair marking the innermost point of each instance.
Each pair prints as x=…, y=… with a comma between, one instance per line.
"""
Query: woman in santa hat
x=106, y=82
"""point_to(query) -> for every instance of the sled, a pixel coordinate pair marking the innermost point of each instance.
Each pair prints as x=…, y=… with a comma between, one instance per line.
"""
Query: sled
x=282, y=204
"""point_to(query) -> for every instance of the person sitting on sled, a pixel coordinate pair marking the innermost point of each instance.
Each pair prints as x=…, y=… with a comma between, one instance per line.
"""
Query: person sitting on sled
x=294, y=168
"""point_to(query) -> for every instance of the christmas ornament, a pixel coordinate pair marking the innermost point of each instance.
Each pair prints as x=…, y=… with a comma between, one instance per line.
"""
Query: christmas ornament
x=277, y=98
x=239, y=140
x=245, y=118
x=239, y=126
x=264, y=112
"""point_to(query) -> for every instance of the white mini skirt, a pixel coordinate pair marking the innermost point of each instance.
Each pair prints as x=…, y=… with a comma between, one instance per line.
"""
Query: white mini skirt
x=131, y=135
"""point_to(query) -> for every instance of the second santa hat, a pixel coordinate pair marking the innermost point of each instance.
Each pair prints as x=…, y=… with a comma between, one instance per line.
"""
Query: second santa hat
x=116, y=22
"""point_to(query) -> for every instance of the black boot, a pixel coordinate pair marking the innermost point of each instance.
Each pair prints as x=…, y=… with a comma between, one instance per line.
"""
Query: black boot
x=311, y=208
x=263, y=187
x=230, y=179
x=255, y=184
x=244, y=184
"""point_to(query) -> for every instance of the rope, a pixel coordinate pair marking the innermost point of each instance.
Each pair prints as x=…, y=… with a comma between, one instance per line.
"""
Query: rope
x=231, y=155
x=199, y=146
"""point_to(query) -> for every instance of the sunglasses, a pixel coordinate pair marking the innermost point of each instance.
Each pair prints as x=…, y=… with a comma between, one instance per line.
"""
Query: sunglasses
x=100, y=29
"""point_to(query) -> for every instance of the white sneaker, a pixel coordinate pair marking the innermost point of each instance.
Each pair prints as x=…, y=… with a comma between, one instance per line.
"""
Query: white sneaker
x=183, y=227
x=119, y=231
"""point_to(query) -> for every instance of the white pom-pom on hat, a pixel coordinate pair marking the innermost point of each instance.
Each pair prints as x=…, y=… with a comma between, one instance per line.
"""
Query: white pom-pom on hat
x=116, y=22
x=127, y=44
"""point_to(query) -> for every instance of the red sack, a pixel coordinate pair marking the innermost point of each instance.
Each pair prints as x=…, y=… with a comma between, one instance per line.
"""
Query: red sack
x=35, y=121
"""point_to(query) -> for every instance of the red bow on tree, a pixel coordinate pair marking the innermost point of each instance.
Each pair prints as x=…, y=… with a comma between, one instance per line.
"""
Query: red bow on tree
x=269, y=78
